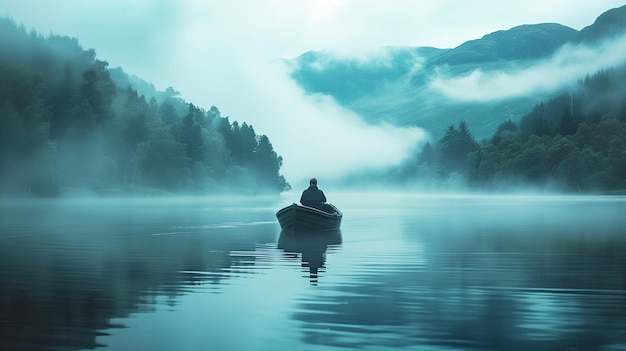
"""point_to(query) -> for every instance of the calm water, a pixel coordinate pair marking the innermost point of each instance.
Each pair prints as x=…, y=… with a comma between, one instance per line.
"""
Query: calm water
x=407, y=272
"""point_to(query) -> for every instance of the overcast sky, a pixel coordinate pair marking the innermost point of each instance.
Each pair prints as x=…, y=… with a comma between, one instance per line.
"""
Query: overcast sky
x=221, y=52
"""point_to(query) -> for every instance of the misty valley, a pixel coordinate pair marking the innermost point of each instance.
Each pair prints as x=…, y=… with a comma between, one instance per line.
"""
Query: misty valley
x=480, y=194
x=71, y=125
x=406, y=272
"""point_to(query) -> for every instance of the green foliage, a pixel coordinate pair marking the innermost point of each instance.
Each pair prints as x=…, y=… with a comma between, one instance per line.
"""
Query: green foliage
x=25, y=149
x=66, y=123
x=573, y=162
x=574, y=142
x=456, y=144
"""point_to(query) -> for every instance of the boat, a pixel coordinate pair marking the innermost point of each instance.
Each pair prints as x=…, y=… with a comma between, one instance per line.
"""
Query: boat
x=305, y=218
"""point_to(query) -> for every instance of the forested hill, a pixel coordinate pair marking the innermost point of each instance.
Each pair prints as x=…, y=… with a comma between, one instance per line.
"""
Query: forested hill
x=573, y=142
x=69, y=124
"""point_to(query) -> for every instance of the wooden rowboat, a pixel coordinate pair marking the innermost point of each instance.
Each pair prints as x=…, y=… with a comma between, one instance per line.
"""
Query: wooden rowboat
x=304, y=218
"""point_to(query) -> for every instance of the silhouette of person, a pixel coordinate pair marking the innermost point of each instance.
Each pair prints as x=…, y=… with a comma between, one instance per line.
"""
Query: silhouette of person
x=314, y=197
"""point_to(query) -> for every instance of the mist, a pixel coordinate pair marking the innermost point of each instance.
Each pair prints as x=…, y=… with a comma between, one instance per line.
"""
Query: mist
x=315, y=135
x=562, y=69
x=130, y=221
x=230, y=56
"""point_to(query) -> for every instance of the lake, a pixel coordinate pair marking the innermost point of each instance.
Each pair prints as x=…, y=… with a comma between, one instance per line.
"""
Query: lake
x=406, y=272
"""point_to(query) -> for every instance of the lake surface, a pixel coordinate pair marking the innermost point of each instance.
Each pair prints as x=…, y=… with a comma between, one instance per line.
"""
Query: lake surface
x=406, y=272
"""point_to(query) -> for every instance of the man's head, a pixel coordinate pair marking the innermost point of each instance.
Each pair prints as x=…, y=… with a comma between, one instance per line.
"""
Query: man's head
x=313, y=181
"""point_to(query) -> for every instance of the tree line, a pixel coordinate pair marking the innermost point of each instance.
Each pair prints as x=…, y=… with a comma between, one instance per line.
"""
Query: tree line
x=575, y=142
x=68, y=121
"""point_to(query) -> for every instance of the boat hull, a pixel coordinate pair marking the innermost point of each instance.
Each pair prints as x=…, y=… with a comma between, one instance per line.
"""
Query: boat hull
x=304, y=218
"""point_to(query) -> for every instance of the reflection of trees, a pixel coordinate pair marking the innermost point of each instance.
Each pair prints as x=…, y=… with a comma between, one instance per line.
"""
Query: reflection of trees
x=60, y=285
x=311, y=245
x=485, y=290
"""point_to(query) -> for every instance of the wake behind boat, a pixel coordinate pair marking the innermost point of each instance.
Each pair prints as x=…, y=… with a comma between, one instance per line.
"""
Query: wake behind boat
x=304, y=218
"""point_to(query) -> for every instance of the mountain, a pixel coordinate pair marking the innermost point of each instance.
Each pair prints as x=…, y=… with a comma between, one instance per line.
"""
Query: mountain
x=609, y=24
x=350, y=80
x=519, y=43
x=396, y=85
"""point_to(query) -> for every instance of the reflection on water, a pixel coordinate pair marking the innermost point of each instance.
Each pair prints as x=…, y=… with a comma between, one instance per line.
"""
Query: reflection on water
x=311, y=246
x=406, y=272
x=67, y=269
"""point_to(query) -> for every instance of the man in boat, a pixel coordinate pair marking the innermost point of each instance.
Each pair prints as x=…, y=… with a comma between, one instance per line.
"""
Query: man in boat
x=314, y=197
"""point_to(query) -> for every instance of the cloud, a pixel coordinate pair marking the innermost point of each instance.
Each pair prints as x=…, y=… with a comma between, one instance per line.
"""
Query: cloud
x=315, y=136
x=225, y=64
x=564, y=68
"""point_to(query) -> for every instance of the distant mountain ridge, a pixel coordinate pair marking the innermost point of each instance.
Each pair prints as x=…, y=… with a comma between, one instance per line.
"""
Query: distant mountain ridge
x=609, y=24
x=518, y=43
x=394, y=88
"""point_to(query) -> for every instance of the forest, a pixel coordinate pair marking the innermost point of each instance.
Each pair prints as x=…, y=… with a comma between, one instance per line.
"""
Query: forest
x=575, y=142
x=71, y=125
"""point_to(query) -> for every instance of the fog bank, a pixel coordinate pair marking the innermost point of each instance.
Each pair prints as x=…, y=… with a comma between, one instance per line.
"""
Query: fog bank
x=315, y=136
x=562, y=69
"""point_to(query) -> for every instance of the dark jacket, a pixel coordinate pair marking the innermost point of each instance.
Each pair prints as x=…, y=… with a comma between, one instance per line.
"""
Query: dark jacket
x=313, y=197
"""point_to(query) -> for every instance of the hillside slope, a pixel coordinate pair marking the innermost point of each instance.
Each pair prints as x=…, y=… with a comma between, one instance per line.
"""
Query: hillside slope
x=396, y=87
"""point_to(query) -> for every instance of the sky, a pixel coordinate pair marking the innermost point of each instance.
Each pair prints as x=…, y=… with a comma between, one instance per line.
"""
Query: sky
x=227, y=54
